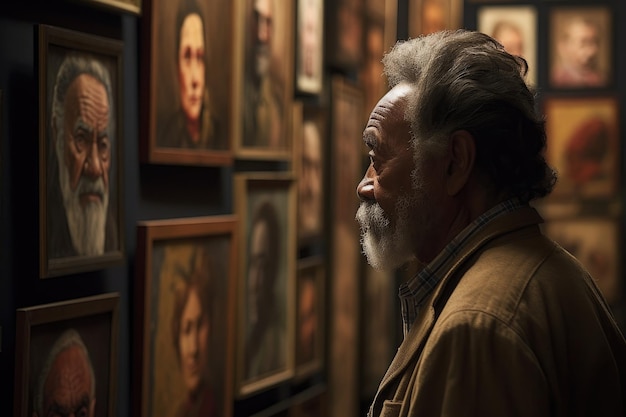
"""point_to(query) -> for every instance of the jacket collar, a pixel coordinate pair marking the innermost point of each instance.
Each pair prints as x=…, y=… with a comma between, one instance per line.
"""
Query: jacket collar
x=415, y=339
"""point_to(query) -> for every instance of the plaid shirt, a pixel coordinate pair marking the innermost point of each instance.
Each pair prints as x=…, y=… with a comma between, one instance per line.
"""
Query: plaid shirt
x=413, y=293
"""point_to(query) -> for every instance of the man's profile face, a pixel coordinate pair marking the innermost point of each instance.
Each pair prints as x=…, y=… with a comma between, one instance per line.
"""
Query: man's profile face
x=263, y=20
x=193, y=341
x=582, y=45
x=191, y=66
x=67, y=389
x=401, y=194
x=310, y=184
x=84, y=154
x=258, y=280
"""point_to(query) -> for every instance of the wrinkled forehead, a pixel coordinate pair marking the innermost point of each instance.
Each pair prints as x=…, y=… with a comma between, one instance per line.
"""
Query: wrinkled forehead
x=393, y=103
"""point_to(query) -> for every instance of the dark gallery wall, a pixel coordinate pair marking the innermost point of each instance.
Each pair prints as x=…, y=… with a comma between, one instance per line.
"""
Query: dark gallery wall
x=155, y=191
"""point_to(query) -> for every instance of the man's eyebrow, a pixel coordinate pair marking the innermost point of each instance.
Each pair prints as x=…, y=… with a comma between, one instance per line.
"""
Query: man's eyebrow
x=370, y=139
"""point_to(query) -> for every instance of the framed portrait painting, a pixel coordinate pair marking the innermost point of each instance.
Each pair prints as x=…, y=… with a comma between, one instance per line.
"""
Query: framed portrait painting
x=185, y=299
x=380, y=37
x=428, y=16
x=344, y=43
x=310, y=302
x=187, y=105
x=265, y=203
x=310, y=132
x=80, y=152
x=595, y=242
x=264, y=87
x=310, y=46
x=583, y=146
x=77, y=337
x=580, y=42
x=515, y=27
x=347, y=159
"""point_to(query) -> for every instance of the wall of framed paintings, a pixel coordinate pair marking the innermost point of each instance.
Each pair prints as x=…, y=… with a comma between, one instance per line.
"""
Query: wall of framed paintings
x=230, y=154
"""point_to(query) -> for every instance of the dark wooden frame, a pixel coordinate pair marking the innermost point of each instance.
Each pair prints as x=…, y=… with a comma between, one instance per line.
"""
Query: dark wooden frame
x=213, y=232
x=159, y=90
x=53, y=38
x=251, y=190
x=62, y=314
x=281, y=79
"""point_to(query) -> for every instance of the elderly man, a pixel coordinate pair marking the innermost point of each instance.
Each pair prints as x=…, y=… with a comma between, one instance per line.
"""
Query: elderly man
x=67, y=384
x=499, y=320
x=82, y=135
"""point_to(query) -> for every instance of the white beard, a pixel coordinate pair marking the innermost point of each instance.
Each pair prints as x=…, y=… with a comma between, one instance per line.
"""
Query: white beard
x=386, y=248
x=87, y=225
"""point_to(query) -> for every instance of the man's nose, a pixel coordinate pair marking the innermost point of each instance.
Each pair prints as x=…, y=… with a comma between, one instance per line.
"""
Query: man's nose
x=93, y=165
x=365, y=189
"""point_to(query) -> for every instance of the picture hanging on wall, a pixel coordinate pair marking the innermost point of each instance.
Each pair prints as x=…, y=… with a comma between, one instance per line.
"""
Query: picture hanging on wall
x=310, y=329
x=186, y=99
x=185, y=316
x=345, y=28
x=310, y=133
x=265, y=203
x=515, y=27
x=595, y=241
x=80, y=157
x=264, y=87
x=580, y=47
x=428, y=16
x=76, y=337
x=583, y=146
x=347, y=160
x=310, y=46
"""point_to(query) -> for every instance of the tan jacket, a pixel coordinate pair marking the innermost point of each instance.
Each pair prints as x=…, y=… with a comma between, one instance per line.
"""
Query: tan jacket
x=524, y=332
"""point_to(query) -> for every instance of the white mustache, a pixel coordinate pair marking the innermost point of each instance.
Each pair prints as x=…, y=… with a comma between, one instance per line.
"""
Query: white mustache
x=87, y=186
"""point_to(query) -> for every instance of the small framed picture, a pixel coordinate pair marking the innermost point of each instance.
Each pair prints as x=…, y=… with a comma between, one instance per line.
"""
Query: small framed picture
x=265, y=203
x=380, y=37
x=264, y=87
x=310, y=46
x=595, y=242
x=344, y=43
x=583, y=146
x=428, y=16
x=580, y=47
x=185, y=316
x=129, y=6
x=310, y=131
x=80, y=174
x=515, y=27
x=347, y=159
x=310, y=304
x=77, y=337
x=188, y=113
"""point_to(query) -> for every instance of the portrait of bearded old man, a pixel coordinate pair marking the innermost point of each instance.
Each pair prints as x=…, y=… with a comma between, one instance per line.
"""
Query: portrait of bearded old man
x=80, y=221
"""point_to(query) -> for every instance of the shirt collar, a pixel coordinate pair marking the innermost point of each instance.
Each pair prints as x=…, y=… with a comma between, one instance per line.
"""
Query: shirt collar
x=413, y=292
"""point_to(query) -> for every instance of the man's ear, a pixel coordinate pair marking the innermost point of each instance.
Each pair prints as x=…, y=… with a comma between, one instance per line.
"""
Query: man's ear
x=462, y=155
